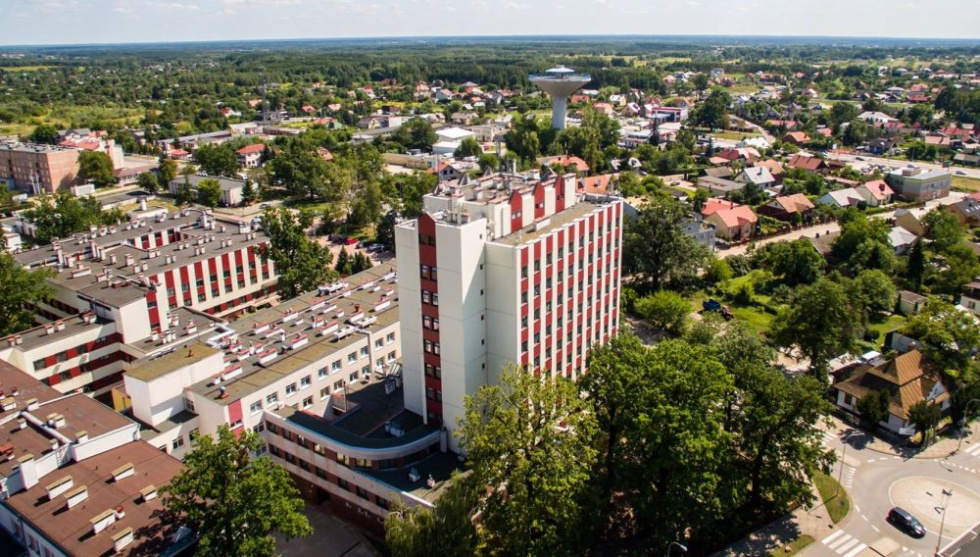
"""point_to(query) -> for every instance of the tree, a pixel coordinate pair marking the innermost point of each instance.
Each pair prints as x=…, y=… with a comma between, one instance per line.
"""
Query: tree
x=447, y=529
x=468, y=147
x=368, y=205
x=962, y=266
x=385, y=231
x=713, y=112
x=820, y=321
x=657, y=251
x=943, y=229
x=863, y=243
x=62, y=214
x=20, y=291
x=302, y=263
x=234, y=501
x=793, y=262
x=665, y=310
x=873, y=408
x=168, y=171
x=530, y=440
x=345, y=264
x=148, y=181
x=95, y=167
x=925, y=415
x=360, y=263
x=877, y=291
x=915, y=271
x=209, y=192
x=45, y=133
x=415, y=134
x=947, y=336
x=248, y=193
x=216, y=160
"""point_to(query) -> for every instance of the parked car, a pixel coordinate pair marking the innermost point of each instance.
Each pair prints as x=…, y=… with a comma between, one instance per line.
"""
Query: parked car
x=903, y=520
x=376, y=247
x=349, y=241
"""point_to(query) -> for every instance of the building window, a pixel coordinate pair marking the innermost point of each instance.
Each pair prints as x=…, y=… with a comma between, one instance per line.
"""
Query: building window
x=272, y=399
x=178, y=443
x=426, y=297
x=352, y=377
x=256, y=407
x=338, y=385
x=307, y=402
x=378, y=343
x=523, y=271
x=324, y=393
x=365, y=352
x=362, y=493
x=321, y=373
x=430, y=393
x=290, y=389
x=352, y=357
x=305, y=381
x=342, y=484
x=425, y=272
x=336, y=366
x=390, y=338
x=189, y=404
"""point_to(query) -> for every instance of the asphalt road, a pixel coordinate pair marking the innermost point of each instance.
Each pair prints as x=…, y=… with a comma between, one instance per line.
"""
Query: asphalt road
x=877, y=482
x=895, y=163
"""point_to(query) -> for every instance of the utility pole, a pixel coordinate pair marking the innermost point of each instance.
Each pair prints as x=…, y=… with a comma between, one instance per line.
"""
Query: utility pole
x=947, y=496
x=840, y=474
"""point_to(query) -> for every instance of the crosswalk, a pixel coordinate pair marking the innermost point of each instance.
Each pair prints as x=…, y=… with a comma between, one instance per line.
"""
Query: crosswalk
x=848, y=477
x=828, y=438
x=842, y=543
x=973, y=450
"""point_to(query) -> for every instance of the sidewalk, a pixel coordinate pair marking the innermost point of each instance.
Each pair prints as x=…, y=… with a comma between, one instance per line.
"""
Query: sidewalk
x=859, y=439
x=813, y=522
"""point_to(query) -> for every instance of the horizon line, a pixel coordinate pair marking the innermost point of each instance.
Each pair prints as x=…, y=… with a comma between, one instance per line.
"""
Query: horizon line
x=574, y=37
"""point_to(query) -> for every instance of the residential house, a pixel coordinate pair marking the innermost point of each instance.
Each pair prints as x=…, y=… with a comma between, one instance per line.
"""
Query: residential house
x=807, y=162
x=231, y=190
x=719, y=187
x=703, y=232
x=250, y=156
x=731, y=220
x=916, y=184
x=967, y=211
x=970, y=298
x=724, y=172
x=565, y=161
x=774, y=167
x=758, y=176
x=876, y=193
x=875, y=118
x=796, y=138
x=796, y=207
x=966, y=159
x=901, y=240
x=906, y=378
x=847, y=197
x=907, y=220
x=880, y=146
x=594, y=185
x=445, y=171
x=910, y=302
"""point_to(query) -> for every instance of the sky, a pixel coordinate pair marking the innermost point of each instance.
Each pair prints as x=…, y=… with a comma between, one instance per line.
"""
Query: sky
x=38, y=22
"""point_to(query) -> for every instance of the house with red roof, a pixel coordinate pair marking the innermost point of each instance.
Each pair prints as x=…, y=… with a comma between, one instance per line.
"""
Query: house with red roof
x=788, y=207
x=596, y=185
x=876, y=193
x=731, y=220
x=250, y=156
x=796, y=138
x=807, y=162
x=565, y=161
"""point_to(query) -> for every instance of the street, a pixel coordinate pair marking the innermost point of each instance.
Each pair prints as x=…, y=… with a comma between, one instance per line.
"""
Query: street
x=895, y=163
x=878, y=481
x=824, y=229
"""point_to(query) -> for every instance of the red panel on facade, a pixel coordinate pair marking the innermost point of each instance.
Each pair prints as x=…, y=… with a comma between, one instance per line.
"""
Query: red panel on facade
x=235, y=411
x=239, y=265
x=538, y=201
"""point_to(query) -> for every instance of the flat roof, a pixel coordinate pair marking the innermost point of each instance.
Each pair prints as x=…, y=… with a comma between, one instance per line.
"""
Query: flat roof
x=33, y=147
x=439, y=466
x=71, y=528
x=151, y=368
x=532, y=232
x=366, y=292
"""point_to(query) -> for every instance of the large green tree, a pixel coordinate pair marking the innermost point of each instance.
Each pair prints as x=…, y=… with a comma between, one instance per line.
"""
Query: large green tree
x=234, y=501
x=96, y=167
x=863, y=244
x=20, y=290
x=657, y=252
x=45, y=133
x=446, y=530
x=417, y=133
x=793, y=262
x=62, y=214
x=946, y=335
x=821, y=321
x=530, y=441
x=217, y=160
x=302, y=263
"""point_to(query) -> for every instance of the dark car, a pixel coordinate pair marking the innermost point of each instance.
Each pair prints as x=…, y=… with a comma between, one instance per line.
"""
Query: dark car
x=904, y=521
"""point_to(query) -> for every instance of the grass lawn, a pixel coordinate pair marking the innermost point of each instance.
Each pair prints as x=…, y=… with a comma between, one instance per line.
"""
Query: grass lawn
x=893, y=322
x=16, y=69
x=834, y=496
x=793, y=547
x=734, y=136
x=965, y=183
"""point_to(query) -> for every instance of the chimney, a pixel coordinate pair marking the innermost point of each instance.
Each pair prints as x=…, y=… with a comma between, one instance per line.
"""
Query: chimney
x=49, y=328
x=60, y=325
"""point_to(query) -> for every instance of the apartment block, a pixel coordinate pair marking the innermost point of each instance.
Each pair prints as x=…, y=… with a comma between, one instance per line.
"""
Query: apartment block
x=75, y=479
x=124, y=292
x=507, y=269
x=38, y=168
x=917, y=184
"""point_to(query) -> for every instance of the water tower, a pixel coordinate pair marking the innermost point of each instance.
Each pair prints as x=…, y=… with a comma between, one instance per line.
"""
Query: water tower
x=560, y=83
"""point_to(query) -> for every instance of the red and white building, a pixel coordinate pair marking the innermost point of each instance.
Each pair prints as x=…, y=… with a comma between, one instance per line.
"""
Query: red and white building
x=503, y=270
x=250, y=156
x=121, y=291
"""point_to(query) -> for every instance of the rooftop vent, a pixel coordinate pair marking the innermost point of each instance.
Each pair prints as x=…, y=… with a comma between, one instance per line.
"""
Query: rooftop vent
x=75, y=496
x=58, y=487
x=123, y=472
x=56, y=420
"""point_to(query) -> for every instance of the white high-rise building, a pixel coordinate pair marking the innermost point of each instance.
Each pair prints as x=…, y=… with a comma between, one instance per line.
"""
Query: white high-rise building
x=503, y=269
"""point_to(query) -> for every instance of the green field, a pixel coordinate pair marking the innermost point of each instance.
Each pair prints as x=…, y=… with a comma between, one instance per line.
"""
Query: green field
x=793, y=547
x=964, y=183
x=18, y=69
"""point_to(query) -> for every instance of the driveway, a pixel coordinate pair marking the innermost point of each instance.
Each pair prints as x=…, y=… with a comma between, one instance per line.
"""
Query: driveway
x=332, y=537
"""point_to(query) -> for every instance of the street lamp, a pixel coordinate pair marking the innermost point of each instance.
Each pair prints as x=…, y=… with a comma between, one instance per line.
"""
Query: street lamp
x=670, y=547
x=964, y=421
x=947, y=496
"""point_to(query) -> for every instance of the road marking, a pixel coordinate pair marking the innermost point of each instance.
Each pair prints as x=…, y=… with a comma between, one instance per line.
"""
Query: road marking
x=840, y=541
x=974, y=451
x=857, y=508
x=828, y=539
x=875, y=528
x=973, y=446
x=857, y=550
x=848, y=545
